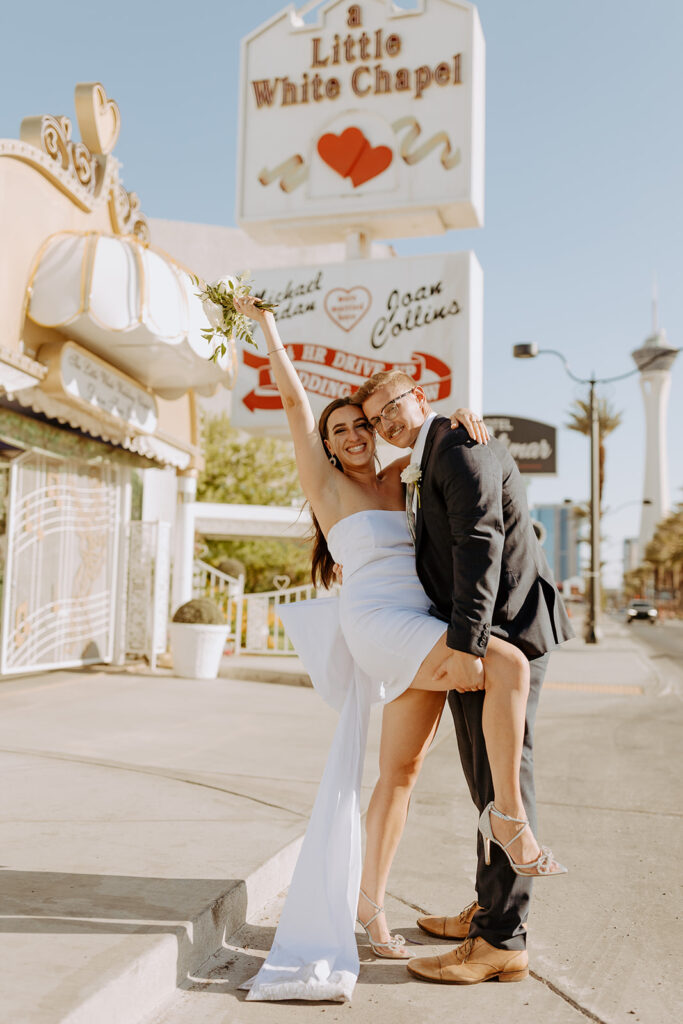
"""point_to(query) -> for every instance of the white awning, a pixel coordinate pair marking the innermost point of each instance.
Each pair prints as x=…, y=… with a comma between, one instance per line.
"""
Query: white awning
x=130, y=304
x=166, y=452
x=218, y=519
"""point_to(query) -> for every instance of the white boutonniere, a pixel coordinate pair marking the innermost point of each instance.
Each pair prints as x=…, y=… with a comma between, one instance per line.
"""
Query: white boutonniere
x=412, y=474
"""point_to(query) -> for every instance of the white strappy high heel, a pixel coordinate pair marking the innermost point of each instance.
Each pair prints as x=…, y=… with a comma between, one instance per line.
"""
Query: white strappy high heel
x=544, y=865
x=394, y=949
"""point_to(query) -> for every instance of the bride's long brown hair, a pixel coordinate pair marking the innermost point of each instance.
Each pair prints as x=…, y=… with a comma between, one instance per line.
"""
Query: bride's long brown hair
x=322, y=562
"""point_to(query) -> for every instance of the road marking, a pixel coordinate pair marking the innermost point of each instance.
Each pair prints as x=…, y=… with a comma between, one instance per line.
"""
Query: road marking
x=622, y=690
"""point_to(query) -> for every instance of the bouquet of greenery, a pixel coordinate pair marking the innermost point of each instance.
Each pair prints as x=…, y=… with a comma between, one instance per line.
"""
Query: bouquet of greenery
x=226, y=322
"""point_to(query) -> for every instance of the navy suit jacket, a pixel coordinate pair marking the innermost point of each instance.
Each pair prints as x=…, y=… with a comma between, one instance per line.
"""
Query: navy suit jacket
x=478, y=557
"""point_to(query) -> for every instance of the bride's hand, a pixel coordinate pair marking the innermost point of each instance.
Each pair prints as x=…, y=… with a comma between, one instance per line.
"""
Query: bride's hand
x=248, y=306
x=473, y=424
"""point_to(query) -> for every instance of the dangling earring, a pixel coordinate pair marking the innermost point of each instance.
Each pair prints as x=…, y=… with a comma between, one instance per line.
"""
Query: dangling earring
x=333, y=460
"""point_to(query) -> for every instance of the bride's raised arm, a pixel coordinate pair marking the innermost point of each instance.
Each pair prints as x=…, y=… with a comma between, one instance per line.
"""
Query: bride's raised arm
x=315, y=471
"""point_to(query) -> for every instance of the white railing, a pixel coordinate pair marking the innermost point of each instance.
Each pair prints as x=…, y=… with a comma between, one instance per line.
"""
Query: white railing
x=263, y=632
x=224, y=590
x=255, y=625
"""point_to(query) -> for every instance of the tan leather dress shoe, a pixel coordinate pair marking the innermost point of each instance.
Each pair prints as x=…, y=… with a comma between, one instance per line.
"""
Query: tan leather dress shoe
x=449, y=927
x=476, y=960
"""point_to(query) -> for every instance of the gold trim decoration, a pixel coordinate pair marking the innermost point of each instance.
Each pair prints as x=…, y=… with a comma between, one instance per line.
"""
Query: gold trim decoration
x=126, y=218
x=64, y=179
x=84, y=171
x=52, y=135
x=98, y=117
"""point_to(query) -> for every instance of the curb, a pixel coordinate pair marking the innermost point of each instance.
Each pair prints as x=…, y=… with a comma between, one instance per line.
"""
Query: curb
x=140, y=989
x=264, y=675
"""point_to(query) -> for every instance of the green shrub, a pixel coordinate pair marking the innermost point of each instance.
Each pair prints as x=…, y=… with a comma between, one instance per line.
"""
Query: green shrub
x=231, y=567
x=200, y=610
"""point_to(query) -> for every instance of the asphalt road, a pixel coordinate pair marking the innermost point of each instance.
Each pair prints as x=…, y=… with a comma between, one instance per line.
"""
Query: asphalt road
x=664, y=642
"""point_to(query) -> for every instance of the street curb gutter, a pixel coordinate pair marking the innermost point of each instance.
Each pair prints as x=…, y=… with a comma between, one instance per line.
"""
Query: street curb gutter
x=140, y=988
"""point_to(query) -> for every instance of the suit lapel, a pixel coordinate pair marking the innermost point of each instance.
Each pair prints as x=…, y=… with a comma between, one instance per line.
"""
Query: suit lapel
x=431, y=437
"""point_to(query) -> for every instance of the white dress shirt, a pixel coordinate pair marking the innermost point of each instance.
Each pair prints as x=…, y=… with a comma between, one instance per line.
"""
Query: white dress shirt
x=418, y=450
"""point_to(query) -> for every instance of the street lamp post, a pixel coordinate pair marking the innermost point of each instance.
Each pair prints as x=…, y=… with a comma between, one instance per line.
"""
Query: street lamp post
x=591, y=631
x=529, y=350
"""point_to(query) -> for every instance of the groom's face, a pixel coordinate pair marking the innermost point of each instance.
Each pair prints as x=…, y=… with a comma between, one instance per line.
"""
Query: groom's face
x=397, y=413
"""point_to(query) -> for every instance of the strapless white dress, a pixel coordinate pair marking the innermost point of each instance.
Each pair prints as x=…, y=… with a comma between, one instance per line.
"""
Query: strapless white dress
x=361, y=648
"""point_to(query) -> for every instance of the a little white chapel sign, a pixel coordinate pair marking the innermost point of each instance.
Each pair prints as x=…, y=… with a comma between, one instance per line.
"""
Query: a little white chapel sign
x=370, y=118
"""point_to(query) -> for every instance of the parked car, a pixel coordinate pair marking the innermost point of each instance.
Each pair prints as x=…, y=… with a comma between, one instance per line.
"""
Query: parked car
x=641, y=610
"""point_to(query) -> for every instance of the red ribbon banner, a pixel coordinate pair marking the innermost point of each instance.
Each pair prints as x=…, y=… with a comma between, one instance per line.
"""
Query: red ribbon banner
x=265, y=396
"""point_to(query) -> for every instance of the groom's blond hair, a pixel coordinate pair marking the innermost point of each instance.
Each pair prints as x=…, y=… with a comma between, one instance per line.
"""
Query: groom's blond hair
x=379, y=380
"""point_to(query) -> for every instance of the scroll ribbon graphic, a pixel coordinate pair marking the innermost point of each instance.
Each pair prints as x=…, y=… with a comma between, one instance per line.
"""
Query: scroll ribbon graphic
x=292, y=173
x=449, y=157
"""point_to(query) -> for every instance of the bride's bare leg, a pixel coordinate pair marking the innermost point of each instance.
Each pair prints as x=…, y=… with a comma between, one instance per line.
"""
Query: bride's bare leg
x=503, y=725
x=409, y=725
x=503, y=721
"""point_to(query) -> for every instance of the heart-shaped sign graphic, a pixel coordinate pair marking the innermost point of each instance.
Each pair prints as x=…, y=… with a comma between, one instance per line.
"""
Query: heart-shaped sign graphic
x=370, y=163
x=346, y=307
x=98, y=117
x=351, y=155
x=281, y=582
x=340, y=152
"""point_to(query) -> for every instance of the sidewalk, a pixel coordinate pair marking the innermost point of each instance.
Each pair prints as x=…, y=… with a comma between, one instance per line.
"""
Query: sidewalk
x=145, y=817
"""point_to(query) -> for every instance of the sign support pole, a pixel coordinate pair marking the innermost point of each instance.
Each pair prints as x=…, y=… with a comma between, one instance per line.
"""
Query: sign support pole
x=358, y=246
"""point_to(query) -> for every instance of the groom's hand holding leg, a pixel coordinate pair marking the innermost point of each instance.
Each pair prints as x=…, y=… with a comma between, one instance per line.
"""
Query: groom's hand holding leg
x=462, y=672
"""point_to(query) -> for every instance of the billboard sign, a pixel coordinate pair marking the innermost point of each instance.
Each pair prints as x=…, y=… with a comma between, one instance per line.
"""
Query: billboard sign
x=370, y=118
x=344, y=322
x=532, y=444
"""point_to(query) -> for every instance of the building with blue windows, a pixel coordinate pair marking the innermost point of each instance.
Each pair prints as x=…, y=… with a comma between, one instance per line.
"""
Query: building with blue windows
x=559, y=538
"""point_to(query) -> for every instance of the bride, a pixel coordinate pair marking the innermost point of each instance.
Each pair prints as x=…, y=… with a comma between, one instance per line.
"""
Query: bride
x=379, y=629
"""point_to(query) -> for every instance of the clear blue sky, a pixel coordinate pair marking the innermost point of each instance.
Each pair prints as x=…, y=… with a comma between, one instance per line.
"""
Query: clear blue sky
x=584, y=178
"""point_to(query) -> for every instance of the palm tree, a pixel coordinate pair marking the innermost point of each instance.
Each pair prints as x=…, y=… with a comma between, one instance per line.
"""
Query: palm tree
x=664, y=554
x=608, y=420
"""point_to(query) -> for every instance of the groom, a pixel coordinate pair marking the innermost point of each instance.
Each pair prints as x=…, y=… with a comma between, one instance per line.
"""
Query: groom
x=483, y=569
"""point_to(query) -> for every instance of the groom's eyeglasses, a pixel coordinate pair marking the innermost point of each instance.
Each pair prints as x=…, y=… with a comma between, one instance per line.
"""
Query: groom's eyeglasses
x=389, y=411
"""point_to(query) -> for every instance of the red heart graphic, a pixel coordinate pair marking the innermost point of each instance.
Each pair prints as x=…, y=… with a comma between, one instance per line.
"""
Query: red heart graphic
x=370, y=163
x=340, y=152
x=351, y=155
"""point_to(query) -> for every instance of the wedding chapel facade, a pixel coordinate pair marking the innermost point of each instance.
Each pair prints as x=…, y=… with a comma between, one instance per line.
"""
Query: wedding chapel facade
x=101, y=365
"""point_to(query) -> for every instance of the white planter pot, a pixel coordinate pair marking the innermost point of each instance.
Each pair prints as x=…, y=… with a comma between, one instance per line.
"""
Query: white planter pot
x=197, y=649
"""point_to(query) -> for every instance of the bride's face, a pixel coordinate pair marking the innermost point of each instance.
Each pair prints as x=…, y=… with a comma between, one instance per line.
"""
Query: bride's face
x=350, y=437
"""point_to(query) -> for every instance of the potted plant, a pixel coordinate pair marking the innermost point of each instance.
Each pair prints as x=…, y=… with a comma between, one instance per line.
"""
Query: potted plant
x=198, y=634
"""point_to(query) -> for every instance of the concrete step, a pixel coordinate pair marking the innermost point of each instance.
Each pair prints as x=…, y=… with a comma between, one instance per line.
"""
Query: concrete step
x=265, y=668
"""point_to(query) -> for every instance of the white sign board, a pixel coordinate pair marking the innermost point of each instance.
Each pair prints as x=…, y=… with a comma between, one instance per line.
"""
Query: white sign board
x=369, y=119
x=343, y=322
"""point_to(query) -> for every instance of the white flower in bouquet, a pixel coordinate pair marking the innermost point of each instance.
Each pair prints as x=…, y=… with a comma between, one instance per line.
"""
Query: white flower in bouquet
x=219, y=307
x=213, y=313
